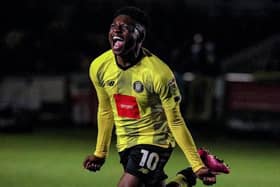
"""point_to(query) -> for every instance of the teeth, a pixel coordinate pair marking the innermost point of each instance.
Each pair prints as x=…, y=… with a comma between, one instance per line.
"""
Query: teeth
x=117, y=38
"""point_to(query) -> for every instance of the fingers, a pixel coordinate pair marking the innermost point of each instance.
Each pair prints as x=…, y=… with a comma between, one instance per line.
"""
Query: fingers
x=93, y=163
x=207, y=177
x=87, y=161
x=209, y=180
x=215, y=173
x=85, y=164
x=93, y=167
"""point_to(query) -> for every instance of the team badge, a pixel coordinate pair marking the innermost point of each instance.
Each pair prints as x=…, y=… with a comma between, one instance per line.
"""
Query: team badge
x=138, y=86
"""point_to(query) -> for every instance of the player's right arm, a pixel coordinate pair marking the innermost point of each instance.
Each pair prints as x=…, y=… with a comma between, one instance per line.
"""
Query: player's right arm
x=104, y=124
x=170, y=97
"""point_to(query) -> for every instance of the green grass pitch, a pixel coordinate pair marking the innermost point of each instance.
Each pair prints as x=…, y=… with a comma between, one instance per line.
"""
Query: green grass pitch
x=53, y=158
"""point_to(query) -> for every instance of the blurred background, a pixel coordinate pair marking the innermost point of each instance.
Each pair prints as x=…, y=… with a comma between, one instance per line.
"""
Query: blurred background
x=225, y=55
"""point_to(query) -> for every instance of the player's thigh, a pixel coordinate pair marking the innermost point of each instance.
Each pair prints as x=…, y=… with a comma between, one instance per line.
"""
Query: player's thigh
x=128, y=180
x=158, y=184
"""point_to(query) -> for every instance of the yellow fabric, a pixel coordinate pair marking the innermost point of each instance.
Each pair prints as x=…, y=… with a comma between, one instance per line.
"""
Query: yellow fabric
x=144, y=102
x=179, y=180
x=183, y=137
x=105, y=121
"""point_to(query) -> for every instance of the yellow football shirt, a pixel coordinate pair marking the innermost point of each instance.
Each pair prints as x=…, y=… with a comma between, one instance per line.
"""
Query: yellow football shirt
x=143, y=104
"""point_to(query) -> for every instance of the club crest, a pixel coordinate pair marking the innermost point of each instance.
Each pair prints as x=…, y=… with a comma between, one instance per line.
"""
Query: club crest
x=138, y=86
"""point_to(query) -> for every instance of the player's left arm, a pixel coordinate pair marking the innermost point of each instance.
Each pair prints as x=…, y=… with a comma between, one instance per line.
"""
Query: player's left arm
x=183, y=137
x=170, y=97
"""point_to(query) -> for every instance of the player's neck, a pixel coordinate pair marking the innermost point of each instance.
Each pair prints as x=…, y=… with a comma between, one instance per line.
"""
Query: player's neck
x=128, y=60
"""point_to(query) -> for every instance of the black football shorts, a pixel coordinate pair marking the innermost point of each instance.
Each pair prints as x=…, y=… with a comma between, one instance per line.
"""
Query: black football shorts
x=146, y=162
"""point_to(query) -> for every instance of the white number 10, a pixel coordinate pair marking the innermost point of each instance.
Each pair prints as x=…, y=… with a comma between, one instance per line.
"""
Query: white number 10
x=149, y=159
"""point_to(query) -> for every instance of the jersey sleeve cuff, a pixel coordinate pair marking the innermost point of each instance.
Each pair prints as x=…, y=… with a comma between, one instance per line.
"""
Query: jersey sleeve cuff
x=196, y=168
x=100, y=154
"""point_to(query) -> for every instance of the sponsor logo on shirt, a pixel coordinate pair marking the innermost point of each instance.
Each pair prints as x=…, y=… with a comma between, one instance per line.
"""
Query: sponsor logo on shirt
x=110, y=83
x=127, y=106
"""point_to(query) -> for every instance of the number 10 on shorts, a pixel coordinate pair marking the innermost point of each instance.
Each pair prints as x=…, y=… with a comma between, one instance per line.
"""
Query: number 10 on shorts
x=150, y=160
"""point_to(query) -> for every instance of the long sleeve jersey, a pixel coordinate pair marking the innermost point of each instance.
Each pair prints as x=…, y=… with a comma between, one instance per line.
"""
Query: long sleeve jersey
x=143, y=102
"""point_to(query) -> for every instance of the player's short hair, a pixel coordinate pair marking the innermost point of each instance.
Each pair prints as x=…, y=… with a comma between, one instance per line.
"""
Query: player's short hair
x=135, y=13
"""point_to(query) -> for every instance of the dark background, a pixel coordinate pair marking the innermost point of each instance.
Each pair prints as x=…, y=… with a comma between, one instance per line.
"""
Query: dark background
x=48, y=105
x=54, y=36
x=58, y=39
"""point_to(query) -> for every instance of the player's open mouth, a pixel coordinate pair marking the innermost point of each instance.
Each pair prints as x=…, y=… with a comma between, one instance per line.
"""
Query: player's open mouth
x=118, y=42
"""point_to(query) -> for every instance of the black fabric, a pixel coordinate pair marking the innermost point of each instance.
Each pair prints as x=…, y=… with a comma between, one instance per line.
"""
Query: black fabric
x=149, y=170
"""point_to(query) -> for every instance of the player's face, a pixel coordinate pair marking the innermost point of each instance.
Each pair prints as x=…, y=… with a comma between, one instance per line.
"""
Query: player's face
x=122, y=35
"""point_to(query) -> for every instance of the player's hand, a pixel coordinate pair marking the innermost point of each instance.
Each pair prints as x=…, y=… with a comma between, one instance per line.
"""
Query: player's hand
x=93, y=163
x=206, y=176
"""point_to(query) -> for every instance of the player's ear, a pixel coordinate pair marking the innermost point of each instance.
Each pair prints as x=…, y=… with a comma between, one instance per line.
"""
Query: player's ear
x=140, y=33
